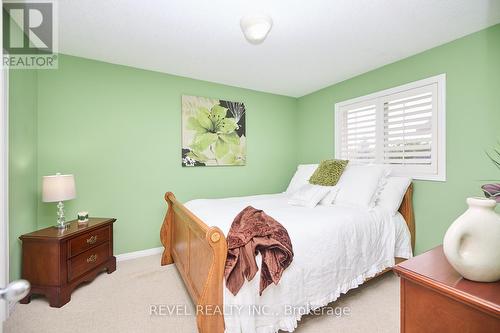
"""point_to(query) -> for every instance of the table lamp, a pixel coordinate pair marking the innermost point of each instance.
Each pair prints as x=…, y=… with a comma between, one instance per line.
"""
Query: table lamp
x=58, y=188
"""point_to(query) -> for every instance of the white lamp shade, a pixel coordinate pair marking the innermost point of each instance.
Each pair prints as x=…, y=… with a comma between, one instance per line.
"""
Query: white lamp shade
x=256, y=27
x=58, y=188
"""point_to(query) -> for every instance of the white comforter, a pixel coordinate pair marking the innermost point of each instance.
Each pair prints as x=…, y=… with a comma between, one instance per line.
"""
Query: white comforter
x=335, y=249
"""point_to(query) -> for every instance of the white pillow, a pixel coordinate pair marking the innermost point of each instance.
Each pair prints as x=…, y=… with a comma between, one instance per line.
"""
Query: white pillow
x=359, y=184
x=301, y=177
x=381, y=184
x=392, y=195
x=309, y=195
x=330, y=197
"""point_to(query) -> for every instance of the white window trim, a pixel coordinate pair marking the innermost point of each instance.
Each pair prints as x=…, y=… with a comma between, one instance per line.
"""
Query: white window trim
x=441, y=120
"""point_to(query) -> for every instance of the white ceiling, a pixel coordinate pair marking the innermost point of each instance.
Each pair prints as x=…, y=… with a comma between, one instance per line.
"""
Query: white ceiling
x=312, y=44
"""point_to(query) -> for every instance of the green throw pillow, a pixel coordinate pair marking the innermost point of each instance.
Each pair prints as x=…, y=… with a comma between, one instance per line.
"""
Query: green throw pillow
x=328, y=172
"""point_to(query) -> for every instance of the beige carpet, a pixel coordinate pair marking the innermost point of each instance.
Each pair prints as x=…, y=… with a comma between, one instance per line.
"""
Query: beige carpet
x=120, y=302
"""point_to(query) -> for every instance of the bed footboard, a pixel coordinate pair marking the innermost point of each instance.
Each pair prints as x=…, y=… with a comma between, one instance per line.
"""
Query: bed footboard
x=199, y=252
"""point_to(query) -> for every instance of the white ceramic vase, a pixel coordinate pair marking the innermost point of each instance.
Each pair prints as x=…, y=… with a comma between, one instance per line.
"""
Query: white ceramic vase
x=472, y=242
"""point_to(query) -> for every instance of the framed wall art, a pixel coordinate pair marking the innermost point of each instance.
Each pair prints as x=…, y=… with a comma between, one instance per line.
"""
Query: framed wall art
x=213, y=132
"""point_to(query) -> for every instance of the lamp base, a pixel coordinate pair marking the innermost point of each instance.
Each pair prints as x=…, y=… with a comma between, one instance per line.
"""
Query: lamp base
x=61, y=220
x=62, y=226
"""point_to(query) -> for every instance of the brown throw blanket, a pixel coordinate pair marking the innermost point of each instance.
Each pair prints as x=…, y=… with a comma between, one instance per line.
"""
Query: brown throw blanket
x=254, y=231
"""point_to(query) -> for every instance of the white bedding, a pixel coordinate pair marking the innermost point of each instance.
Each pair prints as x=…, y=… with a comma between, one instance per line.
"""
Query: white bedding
x=335, y=249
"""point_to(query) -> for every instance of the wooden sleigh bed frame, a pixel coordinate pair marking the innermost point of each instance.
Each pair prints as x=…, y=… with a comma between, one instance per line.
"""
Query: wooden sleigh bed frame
x=199, y=252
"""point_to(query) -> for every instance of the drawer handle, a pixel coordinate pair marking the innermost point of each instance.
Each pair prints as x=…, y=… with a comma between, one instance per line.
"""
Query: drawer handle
x=92, y=259
x=92, y=240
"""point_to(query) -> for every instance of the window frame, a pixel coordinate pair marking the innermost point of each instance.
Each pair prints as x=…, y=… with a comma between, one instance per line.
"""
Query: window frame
x=440, y=128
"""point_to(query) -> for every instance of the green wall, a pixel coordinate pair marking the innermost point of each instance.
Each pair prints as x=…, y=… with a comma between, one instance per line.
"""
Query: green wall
x=22, y=162
x=118, y=129
x=472, y=66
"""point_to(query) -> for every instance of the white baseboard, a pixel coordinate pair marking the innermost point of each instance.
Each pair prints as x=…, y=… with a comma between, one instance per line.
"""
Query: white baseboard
x=139, y=254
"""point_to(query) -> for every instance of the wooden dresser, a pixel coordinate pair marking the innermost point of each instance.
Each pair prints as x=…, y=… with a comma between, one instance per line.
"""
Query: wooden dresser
x=55, y=261
x=435, y=298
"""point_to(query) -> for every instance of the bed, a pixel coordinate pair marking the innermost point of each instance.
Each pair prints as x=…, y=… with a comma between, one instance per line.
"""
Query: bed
x=199, y=253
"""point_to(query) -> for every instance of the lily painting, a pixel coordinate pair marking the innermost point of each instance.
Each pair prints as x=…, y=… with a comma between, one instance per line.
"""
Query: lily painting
x=213, y=132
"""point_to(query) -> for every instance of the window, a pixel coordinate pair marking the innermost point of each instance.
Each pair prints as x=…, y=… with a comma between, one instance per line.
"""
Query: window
x=403, y=127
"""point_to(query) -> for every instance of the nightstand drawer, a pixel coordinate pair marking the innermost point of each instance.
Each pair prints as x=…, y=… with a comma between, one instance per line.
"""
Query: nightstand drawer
x=87, y=260
x=84, y=242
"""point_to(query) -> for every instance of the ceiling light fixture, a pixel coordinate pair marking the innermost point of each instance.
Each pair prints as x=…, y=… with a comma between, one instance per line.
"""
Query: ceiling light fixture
x=256, y=27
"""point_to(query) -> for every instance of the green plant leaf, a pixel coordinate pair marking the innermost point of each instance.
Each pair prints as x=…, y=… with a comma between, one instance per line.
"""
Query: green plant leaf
x=202, y=141
x=494, y=155
x=236, y=149
x=221, y=148
x=197, y=156
x=193, y=124
x=241, y=149
x=233, y=159
x=231, y=138
x=227, y=125
x=229, y=159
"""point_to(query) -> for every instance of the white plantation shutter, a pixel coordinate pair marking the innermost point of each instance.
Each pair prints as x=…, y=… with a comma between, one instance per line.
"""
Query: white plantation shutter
x=402, y=127
x=358, y=132
x=410, y=130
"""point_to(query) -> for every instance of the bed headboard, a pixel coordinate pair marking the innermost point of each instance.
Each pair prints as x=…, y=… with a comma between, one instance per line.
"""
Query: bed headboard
x=406, y=209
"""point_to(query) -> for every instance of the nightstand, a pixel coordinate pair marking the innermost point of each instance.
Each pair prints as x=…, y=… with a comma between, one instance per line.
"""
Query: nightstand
x=435, y=298
x=55, y=261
